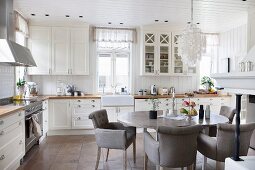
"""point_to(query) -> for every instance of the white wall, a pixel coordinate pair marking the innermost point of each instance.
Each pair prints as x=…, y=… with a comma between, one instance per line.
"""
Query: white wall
x=233, y=45
x=7, y=81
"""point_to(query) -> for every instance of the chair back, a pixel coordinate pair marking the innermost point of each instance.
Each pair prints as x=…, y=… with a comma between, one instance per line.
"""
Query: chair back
x=99, y=118
x=178, y=145
x=226, y=140
x=228, y=112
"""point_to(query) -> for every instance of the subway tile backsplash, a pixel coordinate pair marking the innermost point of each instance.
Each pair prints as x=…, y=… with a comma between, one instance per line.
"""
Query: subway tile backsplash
x=7, y=81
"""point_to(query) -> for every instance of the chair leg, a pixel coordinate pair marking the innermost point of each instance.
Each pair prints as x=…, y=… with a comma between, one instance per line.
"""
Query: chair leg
x=134, y=151
x=124, y=159
x=107, y=154
x=204, y=163
x=145, y=162
x=98, y=157
x=182, y=168
x=190, y=167
x=218, y=165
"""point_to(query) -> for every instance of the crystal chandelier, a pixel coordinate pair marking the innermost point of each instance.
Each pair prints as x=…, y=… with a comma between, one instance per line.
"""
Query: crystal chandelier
x=191, y=43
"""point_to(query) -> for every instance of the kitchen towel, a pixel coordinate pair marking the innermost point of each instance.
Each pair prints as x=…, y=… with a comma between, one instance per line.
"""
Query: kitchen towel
x=36, y=126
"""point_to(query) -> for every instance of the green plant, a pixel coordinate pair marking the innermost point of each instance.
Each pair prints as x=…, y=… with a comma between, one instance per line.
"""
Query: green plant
x=155, y=104
x=20, y=83
x=207, y=81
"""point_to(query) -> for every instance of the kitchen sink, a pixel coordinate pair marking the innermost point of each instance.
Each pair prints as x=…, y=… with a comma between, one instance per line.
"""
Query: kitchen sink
x=117, y=100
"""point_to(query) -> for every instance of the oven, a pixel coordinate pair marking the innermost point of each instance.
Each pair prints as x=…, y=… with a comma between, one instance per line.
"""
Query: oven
x=30, y=110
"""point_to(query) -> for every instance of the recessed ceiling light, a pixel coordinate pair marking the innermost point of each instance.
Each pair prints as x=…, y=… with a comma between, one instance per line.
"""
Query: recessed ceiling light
x=33, y=14
x=47, y=15
x=244, y=0
x=198, y=23
x=156, y=20
x=109, y=23
x=80, y=16
x=67, y=16
x=188, y=22
x=166, y=21
x=121, y=23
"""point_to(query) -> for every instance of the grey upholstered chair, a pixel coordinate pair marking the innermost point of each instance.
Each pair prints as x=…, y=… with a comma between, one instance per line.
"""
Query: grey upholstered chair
x=222, y=146
x=176, y=146
x=226, y=111
x=112, y=135
x=251, y=151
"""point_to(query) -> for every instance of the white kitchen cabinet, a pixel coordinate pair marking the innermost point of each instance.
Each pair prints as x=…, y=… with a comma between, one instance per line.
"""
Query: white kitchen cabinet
x=81, y=109
x=60, y=50
x=79, y=60
x=45, y=119
x=114, y=112
x=142, y=105
x=40, y=45
x=156, y=53
x=59, y=114
x=12, y=135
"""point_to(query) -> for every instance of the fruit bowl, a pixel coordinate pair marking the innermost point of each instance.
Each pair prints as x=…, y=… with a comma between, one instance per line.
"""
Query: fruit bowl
x=189, y=109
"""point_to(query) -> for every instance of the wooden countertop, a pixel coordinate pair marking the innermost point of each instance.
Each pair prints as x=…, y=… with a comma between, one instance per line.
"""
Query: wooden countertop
x=87, y=96
x=178, y=96
x=6, y=110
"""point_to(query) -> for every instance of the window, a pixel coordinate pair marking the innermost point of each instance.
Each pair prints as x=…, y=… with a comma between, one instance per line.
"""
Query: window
x=113, y=66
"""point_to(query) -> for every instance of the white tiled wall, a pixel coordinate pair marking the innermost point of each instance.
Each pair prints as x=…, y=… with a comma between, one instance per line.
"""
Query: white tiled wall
x=7, y=81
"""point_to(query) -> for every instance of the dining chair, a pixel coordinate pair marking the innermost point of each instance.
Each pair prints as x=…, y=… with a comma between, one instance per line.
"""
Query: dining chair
x=112, y=135
x=251, y=151
x=176, y=147
x=226, y=111
x=222, y=146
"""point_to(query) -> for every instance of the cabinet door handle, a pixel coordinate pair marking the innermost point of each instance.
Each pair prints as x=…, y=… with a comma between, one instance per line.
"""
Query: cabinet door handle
x=2, y=157
x=93, y=106
x=1, y=122
x=2, y=133
x=78, y=118
x=79, y=105
x=20, y=142
x=93, y=100
x=19, y=113
x=79, y=100
x=20, y=123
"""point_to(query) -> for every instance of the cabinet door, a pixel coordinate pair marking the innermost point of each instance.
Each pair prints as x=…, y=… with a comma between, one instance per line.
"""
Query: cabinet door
x=177, y=64
x=60, y=114
x=164, y=59
x=79, y=51
x=142, y=105
x=149, y=56
x=60, y=50
x=45, y=117
x=40, y=46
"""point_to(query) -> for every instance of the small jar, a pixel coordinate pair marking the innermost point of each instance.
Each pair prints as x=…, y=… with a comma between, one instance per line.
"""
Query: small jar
x=144, y=92
x=140, y=92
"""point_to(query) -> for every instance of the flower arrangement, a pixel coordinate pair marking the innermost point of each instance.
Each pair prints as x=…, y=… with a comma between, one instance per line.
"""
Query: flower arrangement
x=189, y=108
x=207, y=82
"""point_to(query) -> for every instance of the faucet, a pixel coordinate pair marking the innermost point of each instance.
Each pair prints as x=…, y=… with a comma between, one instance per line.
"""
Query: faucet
x=172, y=90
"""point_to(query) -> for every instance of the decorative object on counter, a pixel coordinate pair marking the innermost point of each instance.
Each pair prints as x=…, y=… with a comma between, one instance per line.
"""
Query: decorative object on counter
x=207, y=82
x=163, y=91
x=144, y=92
x=207, y=112
x=140, y=92
x=60, y=88
x=153, y=113
x=248, y=66
x=21, y=88
x=190, y=108
x=189, y=95
x=201, y=112
x=203, y=91
x=153, y=90
x=191, y=43
x=242, y=67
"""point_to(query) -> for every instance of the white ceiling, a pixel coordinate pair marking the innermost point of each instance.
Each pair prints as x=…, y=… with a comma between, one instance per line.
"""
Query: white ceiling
x=214, y=15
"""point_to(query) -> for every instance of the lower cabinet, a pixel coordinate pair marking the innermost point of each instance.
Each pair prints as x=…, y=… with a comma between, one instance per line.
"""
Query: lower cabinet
x=12, y=140
x=59, y=114
x=114, y=112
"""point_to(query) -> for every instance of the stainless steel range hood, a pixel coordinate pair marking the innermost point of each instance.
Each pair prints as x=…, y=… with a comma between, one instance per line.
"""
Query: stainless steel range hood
x=11, y=52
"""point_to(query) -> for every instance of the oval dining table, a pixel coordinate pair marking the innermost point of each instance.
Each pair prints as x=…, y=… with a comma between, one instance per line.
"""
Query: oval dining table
x=140, y=119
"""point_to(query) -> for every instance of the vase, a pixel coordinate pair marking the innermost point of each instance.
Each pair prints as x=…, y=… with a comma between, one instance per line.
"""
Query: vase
x=21, y=91
x=153, y=114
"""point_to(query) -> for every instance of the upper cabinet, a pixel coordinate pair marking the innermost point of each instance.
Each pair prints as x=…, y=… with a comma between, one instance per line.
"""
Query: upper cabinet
x=66, y=50
x=160, y=55
x=156, y=49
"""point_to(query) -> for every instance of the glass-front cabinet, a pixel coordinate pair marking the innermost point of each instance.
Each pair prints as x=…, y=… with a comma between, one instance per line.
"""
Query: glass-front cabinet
x=156, y=54
x=178, y=68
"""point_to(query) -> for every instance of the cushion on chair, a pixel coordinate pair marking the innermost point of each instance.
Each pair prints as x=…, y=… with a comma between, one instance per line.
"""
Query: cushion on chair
x=151, y=148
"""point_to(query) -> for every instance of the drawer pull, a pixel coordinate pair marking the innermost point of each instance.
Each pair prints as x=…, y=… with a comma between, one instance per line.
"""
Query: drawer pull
x=20, y=123
x=2, y=157
x=20, y=142
x=167, y=104
x=79, y=105
x=78, y=118
x=19, y=113
x=146, y=100
x=79, y=100
x=2, y=133
x=93, y=100
x=93, y=106
x=167, y=99
x=1, y=122
x=46, y=121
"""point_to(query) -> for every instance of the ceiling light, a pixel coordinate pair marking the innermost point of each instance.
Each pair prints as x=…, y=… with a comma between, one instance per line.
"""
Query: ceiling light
x=80, y=16
x=67, y=16
x=156, y=20
x=33, y=14
x=121, y=23
x=109, y=23
x=166, y=21
x=191, y=43
x=47, y=15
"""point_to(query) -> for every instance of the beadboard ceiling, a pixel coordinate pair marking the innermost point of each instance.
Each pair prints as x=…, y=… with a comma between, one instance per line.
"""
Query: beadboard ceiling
x=213, y=15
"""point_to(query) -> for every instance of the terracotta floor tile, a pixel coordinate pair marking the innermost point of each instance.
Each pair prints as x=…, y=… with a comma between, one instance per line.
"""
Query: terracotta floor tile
x=64, y=166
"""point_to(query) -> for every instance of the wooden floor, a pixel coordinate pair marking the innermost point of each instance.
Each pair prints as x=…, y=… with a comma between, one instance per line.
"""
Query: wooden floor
x=79, y=153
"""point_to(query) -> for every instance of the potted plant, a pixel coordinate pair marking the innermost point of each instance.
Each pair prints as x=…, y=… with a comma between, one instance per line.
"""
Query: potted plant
x=155, y=105
x=21, y=87
x=207, y=82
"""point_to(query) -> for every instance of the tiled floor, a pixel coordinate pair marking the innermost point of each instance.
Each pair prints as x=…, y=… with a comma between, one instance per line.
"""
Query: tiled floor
x=79, y=153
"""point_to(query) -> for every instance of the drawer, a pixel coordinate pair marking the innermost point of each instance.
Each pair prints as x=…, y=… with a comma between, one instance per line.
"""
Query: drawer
x=86, y=101
x=11, y=119
x=81, y=122
x=8, y=156
x=9, y=133
x=86, y=106
x=45, y=104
